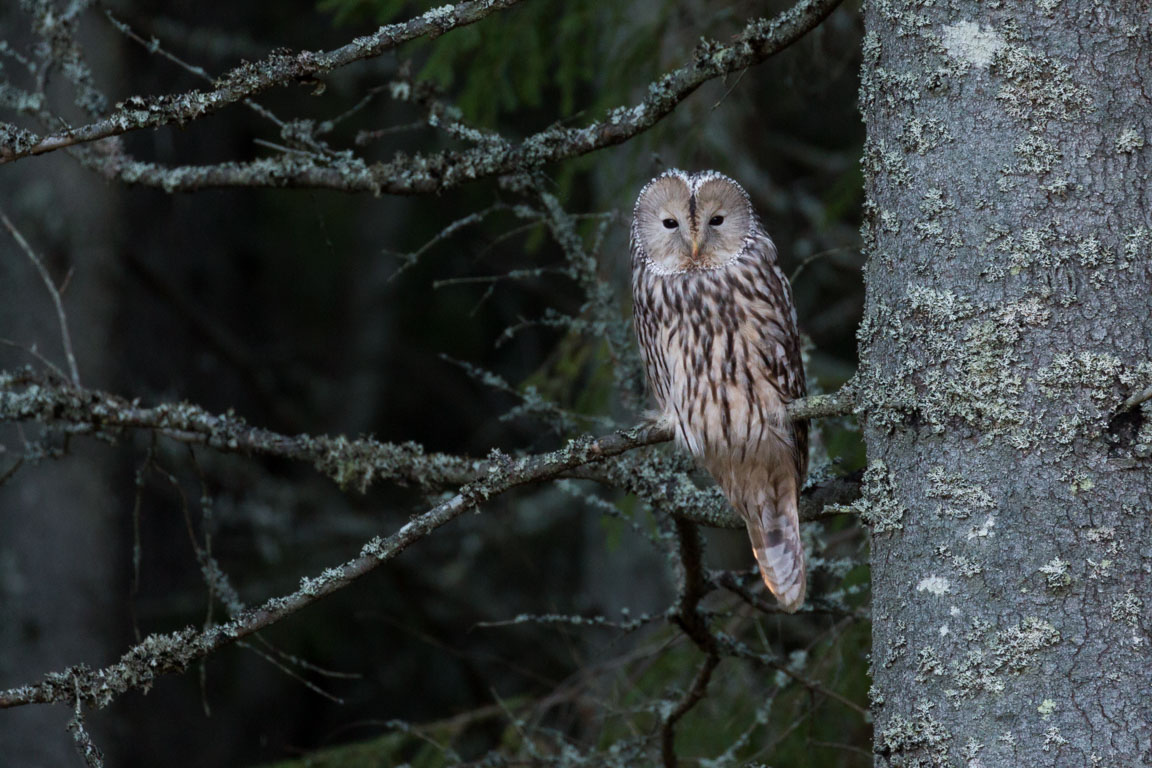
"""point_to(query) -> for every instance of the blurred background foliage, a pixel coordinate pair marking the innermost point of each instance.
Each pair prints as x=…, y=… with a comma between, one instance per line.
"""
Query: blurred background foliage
x=321, y=312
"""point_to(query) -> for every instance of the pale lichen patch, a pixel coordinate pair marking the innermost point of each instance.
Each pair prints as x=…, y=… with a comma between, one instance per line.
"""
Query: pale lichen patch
x=928, y=664
x=1129, y=141
x=984, y=530
x=936, y=585
x=1013, y=650
x=1127, y=609
x=922, y=136
x=1035, y=154
x=878, y=506
x=972, y=43
x=1095, y=373
x=1099, y=570
x=1056, y=573
x=1016, y=646
x=883, y=161
x=922, y=736
x=945, y=379
x=958, y=499
x=965, y=566
x=1037, y=88
x=1052, y=738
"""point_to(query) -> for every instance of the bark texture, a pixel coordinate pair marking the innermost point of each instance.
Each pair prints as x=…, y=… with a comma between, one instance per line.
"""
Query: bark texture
x=1009, y=232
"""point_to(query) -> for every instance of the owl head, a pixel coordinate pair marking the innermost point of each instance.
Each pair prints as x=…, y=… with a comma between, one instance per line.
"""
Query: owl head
x=684, y=222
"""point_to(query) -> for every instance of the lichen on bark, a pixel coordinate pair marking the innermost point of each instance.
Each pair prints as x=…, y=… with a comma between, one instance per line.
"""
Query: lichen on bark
x=1005, y=327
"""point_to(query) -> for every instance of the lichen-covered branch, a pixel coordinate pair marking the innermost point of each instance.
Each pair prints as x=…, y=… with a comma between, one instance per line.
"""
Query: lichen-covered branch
x=249, y=79
x=29, y=396
x=495, y=156
x=173, y=652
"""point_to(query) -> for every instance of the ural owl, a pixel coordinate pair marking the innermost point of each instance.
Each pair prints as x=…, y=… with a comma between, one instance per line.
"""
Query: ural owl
x=717, y=328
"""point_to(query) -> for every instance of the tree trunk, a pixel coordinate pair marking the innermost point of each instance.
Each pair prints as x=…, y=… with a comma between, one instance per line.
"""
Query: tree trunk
x=1009, y=235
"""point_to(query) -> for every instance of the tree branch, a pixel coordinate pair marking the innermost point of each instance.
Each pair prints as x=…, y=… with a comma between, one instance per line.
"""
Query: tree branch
x=691, y=698
x=164, y=654
x=250, y=79
x=29, y=396
x=421, y=174
x=25, y=396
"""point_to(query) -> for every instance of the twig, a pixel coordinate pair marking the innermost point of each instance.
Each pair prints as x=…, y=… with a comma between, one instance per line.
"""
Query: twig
x=576, y=621
x=409, y=259
x=289, y=658
x=85, y=747
x=290, y=672
x=153, y=46
x=733, y=583
x=267, y=383
x=7, y=474
x=1136, y=399
x=812, y=685
x=694, y=584
x=693, y=697
x=818, y=255
x=606, y=319
x=35, y=353
x=60, y=316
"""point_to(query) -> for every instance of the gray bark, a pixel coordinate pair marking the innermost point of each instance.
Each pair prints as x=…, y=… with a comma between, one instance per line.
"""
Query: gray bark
x=1009, y=232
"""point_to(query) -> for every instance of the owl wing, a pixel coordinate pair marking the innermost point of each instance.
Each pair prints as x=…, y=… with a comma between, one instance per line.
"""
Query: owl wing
x=790, y=370
x=651, y=325
x=767, y=495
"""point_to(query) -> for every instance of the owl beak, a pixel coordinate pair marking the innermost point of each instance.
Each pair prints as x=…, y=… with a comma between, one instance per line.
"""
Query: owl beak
x=695, y=249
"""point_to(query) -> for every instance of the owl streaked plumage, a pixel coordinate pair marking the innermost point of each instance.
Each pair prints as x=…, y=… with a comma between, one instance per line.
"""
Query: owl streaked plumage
x=717, y=328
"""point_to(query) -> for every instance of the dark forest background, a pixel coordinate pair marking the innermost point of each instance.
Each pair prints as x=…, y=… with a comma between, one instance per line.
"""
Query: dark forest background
x=324, y=312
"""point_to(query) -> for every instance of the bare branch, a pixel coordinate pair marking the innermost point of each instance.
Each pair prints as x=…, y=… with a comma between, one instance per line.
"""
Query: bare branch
x=694, y=585
x=691, y=698
x=812, y=685
x=38, y=263
x=250, y=79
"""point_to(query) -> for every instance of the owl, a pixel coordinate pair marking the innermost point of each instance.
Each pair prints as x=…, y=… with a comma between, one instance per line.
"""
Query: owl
x=717, y=329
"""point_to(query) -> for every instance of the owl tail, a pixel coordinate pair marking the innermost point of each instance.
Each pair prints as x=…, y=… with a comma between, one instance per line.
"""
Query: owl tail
x=774, y=529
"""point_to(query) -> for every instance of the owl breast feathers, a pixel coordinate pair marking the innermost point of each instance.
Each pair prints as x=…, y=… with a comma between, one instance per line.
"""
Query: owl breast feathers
x=717, y=330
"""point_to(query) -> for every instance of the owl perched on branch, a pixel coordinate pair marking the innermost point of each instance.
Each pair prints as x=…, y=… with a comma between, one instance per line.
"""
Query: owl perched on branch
x=717, y=329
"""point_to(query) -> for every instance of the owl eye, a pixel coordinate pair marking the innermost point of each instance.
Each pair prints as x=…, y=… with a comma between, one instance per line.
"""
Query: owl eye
x=671, y=223
x=716, y=221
